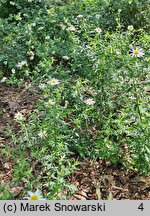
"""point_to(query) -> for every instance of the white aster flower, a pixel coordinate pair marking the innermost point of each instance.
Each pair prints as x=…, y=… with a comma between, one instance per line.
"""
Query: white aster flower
x=137, y=52
x=24, y=63
x=98, y=30
x=12, y=3
x=98, y=16
x=71, y=28
x=3, y=80
x=27, y=72
x=5, y=62
x=89, y=101
x=147, y=59
x=35, y=196
x=66, y=57
x=18, y=116
x=21, y=64
x=80, y=16
x=42, y=86
x=42, y=134
x=47, y=37
x=31, y=55
x=13, y=71
x=118, y=52
x=53, y=82
x=50, y=102
x=33, y=24
x=130, y=27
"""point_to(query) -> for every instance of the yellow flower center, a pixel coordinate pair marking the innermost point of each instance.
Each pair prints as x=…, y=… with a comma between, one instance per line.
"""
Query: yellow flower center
x=136, y=52
x=49, y=102
x=53, y=81
x=34, y=197
x=130, y=27
x=89, y=100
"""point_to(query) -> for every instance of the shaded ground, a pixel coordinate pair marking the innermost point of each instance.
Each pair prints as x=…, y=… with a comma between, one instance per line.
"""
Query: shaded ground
x=94, y=180
x=101, y=180
x=12, y=100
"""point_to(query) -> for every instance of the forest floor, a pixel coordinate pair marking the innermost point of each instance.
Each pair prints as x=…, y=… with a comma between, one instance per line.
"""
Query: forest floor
x=94, y=180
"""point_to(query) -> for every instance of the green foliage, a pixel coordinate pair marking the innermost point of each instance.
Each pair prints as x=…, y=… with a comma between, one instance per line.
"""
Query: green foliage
x=18, y=7
x=87, y=46
x=4, y=195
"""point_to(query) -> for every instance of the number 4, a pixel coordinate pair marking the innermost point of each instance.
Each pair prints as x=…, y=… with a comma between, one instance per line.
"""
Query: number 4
x=141, y=207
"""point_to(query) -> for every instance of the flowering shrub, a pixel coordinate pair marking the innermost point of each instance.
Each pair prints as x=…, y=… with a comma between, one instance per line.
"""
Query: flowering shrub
x=90, y=62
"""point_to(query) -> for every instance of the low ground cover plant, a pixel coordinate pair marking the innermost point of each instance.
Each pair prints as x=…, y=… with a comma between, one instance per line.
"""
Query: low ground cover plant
x=89, y=61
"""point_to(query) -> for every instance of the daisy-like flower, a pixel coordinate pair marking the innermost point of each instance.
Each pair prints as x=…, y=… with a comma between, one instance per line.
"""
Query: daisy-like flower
x=118, y=52
x=35, y=196
x=98, y=30
x=66, y=104
x=18, y=116
x=53, y=82
x=31, y=55
x=42, y=134
x=98, y=16
x=89, y=101
x=21, y=64
x=12, y=3
x=42, y=86
x=26, y=72
x=71, y=28
x=80, y=16
x=13, y=71
x=5, y=62
x=66, y=57
x=147, y=59
x=47, y=37
x=137, y=52
x=130, y=27
x=50, y=102
x=3, y=80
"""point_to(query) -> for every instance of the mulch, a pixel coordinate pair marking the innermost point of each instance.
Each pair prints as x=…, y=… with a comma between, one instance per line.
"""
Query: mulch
x=102, y=180
x=12, y=100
